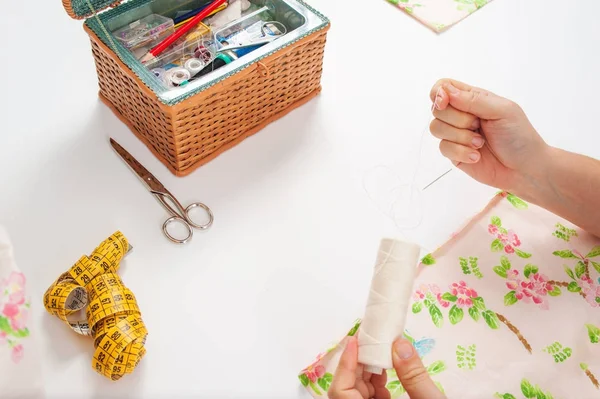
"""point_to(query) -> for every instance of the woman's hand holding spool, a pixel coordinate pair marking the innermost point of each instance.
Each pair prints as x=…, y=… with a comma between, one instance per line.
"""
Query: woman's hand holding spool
x=352, y=382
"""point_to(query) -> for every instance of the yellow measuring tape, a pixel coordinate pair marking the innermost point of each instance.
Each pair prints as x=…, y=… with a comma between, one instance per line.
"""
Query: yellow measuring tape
x=113, y=316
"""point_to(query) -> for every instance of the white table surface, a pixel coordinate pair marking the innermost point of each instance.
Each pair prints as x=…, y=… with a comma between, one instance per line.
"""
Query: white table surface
x=286, y=267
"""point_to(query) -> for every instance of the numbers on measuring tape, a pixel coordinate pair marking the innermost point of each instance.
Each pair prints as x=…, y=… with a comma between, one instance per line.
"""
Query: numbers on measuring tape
x=113, y=316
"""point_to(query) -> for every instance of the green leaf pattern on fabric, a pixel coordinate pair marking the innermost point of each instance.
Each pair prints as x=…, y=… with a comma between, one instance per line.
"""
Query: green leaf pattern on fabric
x=436, y=316
x=516, y=201
x=555, y=291
x=396, y=389
x=314, y=387
x=474, y=313
x=475, y=267
x=491, y=319
x=522, y=254
x=497, y=245
x=527, y=389
x=564, y=233
x=593, y=333
x=500, y=271
x=428, y=260
x=573, y=287
x=354, y=329
x=325, y=381
x=510, y=298
x=595, y=252
x=529, y=269
x=456, y=314
x=417, y=307
x=570, y=272
x=449, y=297
x=558, y=352
x=479, y=303
x=470, y=266
x=303, y=379
x=436, y=367
x=579, y=269
x=505, y=263
x=565, y=254
x=465, y=357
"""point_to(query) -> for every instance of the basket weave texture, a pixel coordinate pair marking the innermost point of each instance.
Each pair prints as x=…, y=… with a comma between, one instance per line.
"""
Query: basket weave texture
x=190, y=133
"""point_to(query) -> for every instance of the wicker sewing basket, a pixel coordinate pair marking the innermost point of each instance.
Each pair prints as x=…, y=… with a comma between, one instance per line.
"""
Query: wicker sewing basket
x=197, y=129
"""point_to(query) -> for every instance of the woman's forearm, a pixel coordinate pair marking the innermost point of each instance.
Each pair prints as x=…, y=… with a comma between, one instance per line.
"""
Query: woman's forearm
x=566, y=184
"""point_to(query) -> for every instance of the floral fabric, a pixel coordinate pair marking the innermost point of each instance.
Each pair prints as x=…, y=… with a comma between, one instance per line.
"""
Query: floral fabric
x=439, y=14
x=508, y=308
x=19, y=362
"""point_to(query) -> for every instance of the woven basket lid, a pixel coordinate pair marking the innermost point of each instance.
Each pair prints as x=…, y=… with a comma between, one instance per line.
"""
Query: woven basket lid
x=80, y=9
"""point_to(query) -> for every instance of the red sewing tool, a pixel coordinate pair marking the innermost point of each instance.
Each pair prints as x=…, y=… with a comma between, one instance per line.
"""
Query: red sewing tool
x=162, y=46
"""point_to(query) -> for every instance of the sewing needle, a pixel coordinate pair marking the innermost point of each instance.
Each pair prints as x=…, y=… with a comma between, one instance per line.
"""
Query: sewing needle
x=438, y=178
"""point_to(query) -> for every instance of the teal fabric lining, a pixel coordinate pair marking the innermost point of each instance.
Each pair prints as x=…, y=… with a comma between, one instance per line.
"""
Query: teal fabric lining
x=81, y=8
x=148, y=77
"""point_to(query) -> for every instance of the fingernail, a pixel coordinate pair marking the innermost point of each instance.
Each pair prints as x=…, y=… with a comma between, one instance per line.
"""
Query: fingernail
x=477, y=142
x=476, y=124
x=403, y=350
x=438, y=101
x=474, y=156
x=450, y=89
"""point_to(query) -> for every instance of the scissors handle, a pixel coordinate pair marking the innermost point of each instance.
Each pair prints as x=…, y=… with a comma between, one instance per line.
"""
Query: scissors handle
x=206, y=209
x=182, y=221
x=181, y=215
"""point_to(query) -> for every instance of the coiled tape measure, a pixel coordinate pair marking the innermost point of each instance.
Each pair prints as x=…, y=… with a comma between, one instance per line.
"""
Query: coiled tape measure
x=113, y=316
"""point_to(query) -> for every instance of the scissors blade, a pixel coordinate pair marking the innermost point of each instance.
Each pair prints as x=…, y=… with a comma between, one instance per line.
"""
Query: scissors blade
x=147, y=178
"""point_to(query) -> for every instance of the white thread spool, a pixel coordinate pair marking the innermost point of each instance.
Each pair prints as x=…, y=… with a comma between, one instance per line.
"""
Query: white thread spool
x=194, y=65
x=387, y=306
x=177, y=76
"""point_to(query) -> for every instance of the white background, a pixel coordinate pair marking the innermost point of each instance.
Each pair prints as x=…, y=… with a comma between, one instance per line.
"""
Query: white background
x=286, y=267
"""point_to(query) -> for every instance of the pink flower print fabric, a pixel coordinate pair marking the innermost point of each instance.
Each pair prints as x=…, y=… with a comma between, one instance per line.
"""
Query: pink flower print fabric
x=20, y=372
x=439, y=14
x=509, y=307
x=12, y=302
x=464, y=295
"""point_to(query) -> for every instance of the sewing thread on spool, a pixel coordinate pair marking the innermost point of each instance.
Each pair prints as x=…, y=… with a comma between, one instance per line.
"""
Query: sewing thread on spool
x=194, y=65
x=177, y=76
x=387, y=305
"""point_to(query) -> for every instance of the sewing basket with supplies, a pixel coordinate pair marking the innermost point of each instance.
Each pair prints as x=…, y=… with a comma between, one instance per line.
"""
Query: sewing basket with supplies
x=213, y=86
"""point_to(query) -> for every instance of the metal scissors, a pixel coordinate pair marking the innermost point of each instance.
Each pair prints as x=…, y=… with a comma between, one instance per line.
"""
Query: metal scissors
x=178, y=213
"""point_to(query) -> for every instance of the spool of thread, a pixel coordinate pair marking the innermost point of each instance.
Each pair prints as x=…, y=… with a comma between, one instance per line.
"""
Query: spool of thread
x=194, y=65
x=388, y=302
x=203, y=54
x=177, y=76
